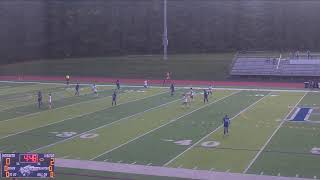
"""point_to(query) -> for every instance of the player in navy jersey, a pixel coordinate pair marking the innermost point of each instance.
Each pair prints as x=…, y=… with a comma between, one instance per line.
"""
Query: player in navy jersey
x=77, y=90
x=226, y=124
x=114, y=98
x=205, y=96
x=67, y=80
x=172, y=89
x=118, y=84
x=39, y=99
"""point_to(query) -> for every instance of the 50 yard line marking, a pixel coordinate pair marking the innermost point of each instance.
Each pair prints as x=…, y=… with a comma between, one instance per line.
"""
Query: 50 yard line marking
x=250, y=106
x=109, y=124
x=279, y=126
x=106, y=152
x=77, y=116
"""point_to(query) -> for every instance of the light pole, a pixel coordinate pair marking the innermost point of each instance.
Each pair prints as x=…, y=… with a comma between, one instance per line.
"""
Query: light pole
x=165, y=31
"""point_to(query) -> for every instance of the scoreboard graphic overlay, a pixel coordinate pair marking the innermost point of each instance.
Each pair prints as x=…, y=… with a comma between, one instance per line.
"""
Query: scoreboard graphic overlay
x=23, y=165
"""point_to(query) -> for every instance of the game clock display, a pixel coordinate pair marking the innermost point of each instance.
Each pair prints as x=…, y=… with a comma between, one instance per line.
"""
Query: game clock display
x=20, y=165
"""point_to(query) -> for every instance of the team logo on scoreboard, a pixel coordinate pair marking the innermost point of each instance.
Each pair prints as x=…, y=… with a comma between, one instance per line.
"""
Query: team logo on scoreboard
x=26, y=171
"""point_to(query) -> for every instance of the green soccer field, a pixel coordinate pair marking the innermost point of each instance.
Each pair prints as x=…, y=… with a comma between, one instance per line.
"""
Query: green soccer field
x=152, y=128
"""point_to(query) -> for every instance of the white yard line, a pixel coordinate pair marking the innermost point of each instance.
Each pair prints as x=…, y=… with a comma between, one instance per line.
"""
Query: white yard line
x=187, y=87
x=294, y=114
x=279, y=126
x=106, y=125
x=76, y=116
x=173, y=120
x=308, y=114
x=253, y=104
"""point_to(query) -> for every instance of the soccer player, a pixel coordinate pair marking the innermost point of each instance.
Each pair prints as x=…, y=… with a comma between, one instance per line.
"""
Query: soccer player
x=184, y=100
x=118, y=84
x=205, y=96
x=77, y=90
x=50, y=101
x=191, y=94
x=39, y=99
x=114, y=98
x=94, y=89
x=226, y=124
x=172, y=89
x=145, y=85
x=210, y=89
x=167, y=78
x=67, y=79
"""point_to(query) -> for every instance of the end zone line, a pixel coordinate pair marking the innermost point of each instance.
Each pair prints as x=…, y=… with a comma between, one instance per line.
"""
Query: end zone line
x=171, y=121
x=106, y=125
x=196, y=143
x=76, y=116
x=186, y=87
x=279, y=126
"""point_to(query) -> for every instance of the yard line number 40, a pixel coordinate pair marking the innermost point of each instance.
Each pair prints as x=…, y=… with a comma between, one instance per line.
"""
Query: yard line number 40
x=208, y=144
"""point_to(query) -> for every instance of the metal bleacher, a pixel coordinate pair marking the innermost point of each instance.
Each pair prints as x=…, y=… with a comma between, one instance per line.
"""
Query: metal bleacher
x=264, y=64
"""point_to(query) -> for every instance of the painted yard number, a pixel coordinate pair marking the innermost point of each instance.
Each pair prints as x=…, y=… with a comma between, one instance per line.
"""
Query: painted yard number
x=315, y=150
x=184, y=142
x=70, y=134
x=208, y=144
x=66, y=134
x=89, y=136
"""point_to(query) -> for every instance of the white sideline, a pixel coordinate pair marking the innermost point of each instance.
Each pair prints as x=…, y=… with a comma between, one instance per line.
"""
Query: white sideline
x=173, y=120
x=162, y=171
x=187, y=87
x=106, y=125
x=265, y=145
x=250, y=106
x=3, y=137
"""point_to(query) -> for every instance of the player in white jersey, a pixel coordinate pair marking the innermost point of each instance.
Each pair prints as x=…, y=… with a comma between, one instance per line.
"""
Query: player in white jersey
x=50, y=101
x=210, y=89
x=185, y=100
x=94, y=89
x=145, y=84
x=191, y=94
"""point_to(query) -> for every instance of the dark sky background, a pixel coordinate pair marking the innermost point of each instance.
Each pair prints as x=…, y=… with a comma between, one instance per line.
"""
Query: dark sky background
x=38, y=29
